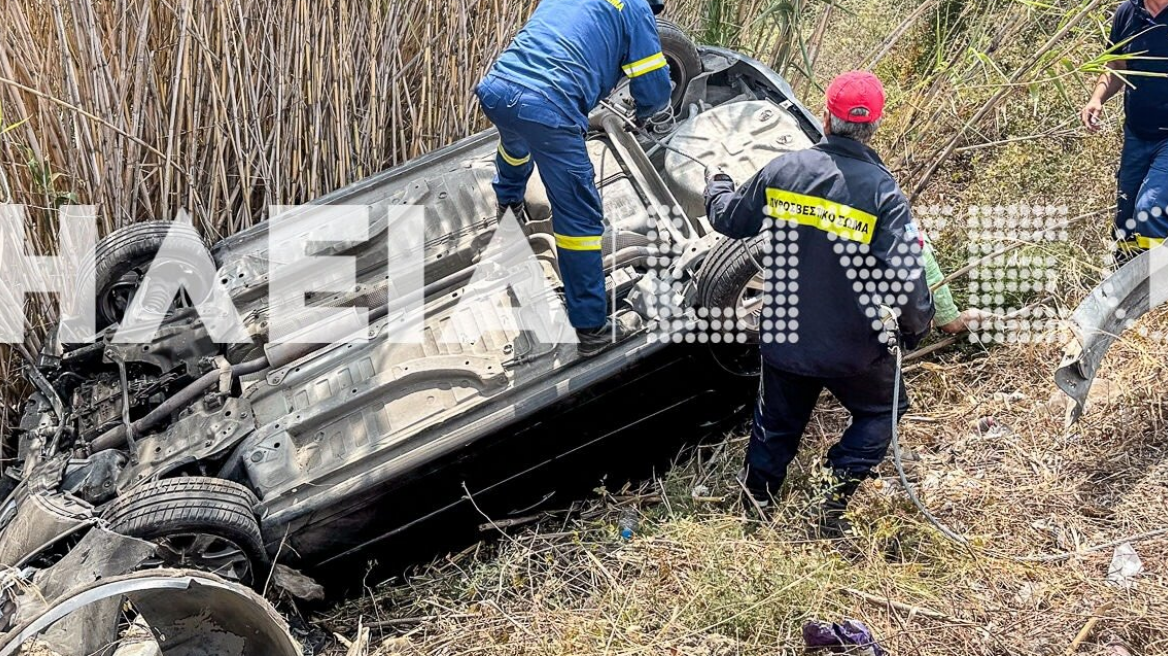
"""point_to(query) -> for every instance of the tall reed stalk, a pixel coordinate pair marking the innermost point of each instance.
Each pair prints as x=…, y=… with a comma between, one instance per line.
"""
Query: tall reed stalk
x=143, y=107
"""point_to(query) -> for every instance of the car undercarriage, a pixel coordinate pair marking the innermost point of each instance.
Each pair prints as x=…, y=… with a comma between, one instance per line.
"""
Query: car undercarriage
x=226, y=455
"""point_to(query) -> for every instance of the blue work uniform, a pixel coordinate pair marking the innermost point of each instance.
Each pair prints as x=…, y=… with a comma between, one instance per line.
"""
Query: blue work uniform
x=842, y=244
x=566, y=59
x=1141, y=220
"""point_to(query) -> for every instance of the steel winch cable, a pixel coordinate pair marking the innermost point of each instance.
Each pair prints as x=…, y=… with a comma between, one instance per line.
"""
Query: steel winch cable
x=673, y=149
x=892, y=327
x=652, y=137
x=897, y=460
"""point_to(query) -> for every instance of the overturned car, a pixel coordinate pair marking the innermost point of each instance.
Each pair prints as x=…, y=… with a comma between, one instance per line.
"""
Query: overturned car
x=226, y=456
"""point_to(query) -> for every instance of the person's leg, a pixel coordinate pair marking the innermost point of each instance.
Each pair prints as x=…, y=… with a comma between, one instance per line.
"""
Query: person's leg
x=1151, y=204
x=577, y=218
x=784, y=406
x=868, y=397
x=513, y=166
x=1134, y=164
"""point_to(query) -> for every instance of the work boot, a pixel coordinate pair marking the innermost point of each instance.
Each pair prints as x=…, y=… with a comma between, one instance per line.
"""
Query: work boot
x=520, y=210
x=758, y=496
x=827, y=514
x=595, y=340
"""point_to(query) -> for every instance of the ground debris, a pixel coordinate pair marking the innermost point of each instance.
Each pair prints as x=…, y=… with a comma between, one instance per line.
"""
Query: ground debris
x=296, y=584
x=1125, y=566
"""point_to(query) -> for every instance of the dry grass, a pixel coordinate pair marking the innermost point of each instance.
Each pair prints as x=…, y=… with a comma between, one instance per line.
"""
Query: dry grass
x=702, y=579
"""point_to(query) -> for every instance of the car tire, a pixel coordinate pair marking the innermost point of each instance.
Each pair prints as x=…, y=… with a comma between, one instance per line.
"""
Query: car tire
x=188, y=516
x=730, y=279
x=681, y=53
x=127, y=253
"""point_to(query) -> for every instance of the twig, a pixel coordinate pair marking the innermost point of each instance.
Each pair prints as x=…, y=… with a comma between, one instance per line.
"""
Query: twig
x=1087, y=627
x=901, y=606
x=1006, y=249
x=1066, y=555
x=93, y=117
x=507, y=523
x=932, y=348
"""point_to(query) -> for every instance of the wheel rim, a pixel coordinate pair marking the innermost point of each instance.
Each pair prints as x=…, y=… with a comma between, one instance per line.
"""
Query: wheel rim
x=114, y=300
x=206, y=552
x=748, y=307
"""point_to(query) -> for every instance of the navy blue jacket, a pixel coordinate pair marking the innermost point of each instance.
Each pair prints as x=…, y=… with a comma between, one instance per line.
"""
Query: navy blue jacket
x=842, y=243
x=574, y=52
x=1136, y=32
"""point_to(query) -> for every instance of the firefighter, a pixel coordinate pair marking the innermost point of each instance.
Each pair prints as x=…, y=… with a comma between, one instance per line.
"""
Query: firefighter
x=844, y=278
x=565, y=60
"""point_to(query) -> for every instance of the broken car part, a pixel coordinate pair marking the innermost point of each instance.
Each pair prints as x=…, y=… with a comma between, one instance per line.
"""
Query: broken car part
x=190, y=614
x=1112, y=306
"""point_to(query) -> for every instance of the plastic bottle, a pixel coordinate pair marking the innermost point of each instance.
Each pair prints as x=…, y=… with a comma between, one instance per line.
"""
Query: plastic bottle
x=627, y=524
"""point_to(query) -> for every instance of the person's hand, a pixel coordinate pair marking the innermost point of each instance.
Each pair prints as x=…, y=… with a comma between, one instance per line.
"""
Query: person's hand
x=713, y=174
x=715, y=178
x=965, y=321
x=1090, y=115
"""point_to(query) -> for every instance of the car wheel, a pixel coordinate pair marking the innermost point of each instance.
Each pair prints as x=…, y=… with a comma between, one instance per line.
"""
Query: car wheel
x=731, y=285
x=682, y=56
x=120, y=262
x=200, y=523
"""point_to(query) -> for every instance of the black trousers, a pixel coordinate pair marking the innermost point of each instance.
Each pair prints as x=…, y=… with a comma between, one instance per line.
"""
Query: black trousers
x=785, y=402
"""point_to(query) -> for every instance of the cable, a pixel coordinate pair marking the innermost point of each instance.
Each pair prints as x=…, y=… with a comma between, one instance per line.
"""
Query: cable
x=651, y=137
x=896, y=457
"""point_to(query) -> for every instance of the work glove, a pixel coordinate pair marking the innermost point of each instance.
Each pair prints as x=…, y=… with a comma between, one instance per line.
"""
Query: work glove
x=719, y=175
x=716, y=180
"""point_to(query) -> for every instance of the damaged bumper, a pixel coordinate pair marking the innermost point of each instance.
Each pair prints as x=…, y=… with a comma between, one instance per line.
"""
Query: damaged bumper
x=78, y=605
x=1111, y=308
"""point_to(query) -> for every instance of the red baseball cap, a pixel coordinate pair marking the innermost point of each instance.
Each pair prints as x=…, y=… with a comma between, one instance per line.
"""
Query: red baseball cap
x=856, y=97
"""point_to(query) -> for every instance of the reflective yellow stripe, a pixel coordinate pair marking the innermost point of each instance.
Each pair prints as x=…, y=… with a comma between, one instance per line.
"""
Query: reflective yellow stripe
x=578, y=243
x=646, y=65
x=1139, y=244
x=840, y=220
x=620, y=6
x=513, y=161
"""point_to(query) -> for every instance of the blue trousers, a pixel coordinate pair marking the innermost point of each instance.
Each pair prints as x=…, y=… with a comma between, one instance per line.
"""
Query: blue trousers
x=1141, y=219
x=785, y=402
x=532, y=132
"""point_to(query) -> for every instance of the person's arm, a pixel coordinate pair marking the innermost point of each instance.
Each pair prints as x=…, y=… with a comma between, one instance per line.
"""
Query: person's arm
x=898, y=240
x=736, y=214
x=948, y=319
x=644, y=62
x=1107, y=86
x=1109, y=83
x=946, y=309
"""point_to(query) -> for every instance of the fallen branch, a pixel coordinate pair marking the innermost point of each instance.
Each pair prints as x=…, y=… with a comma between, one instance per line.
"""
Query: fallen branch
x=1006, y=249
x=1087, y=628
x=1067, y=555
x=901, y=606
